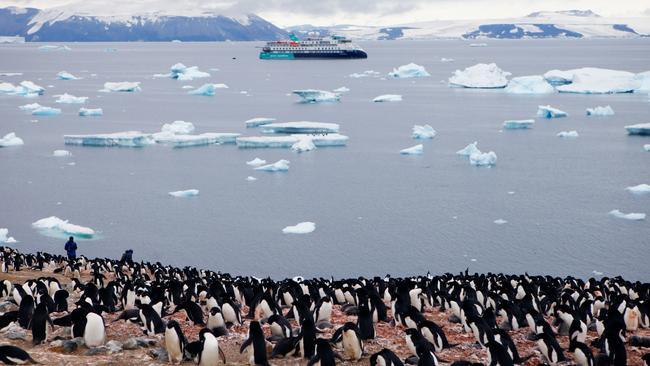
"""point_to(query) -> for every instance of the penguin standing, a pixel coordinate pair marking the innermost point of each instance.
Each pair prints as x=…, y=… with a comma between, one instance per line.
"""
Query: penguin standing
x=231, y=313
x=40, y=320
x=352, y=343
x=25, y=311
x=498, y=355
x=582, y=353
x=549, y=348
x=280, y=326
x=95, y=331
x=434, y=334
x=255, y=345
x=12, y=355
x=209, y=352
x=216, y=323
x=152, y=323
x=365, y=322
x=175, y=342
x=324, y=356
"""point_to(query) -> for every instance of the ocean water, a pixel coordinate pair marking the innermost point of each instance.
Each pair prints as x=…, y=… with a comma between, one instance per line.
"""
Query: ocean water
x=376, y=211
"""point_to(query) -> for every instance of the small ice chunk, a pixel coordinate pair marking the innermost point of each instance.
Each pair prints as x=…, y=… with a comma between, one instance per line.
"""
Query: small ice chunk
x=478, y=44
x=46, y=111
x=639, y=189
x=185, y=193
x=87, y=112
x=124, y=139
x=64, y=75
x=278, y=166
x=5, y=238
x=182, y=72
x=61, y=153
x=207, y=90
x=342, y=89
x=52, y=47
x=300, y=127
x=57, y=227
x=600, y=111
x=638, y=129
x=28, y=89
x=409, y=71
x=317, y=96
x=483, y=159
x=629, y=216
x=30, y=107
x=70, y=99
x=469, y=149
x=251, y=179
x=256, y=162
x=187, y=87
x=413, y=150
x=444, y=59
x=300, y=228
x=364, y=74
x=546, y=111
x=11, y=139
x=388, y=98
x=646, y=147
x=534, y=84
x=304, y=143
x=568, y=134
x=518, y=124
x=178, y=127
x=423, y=132
x=486, y=76
x=259, y=121
x=500, y=221
x=122, y=86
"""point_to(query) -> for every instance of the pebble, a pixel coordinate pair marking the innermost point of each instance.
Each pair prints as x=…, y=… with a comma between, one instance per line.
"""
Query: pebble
x=16, y=334
x=130, y=343
x=96, y=351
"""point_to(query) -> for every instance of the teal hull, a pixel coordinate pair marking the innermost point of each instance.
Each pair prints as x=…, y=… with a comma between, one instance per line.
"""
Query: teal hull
x=281, y=56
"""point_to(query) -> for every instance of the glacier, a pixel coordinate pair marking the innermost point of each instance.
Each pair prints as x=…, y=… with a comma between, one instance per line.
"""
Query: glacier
x=483, y=159
x=5, y=238
x=639, y=129
x=568, y=134
x=121, y=86
x=629, y=216
x=410, y=70
x=600, y=111
x=388, y=98
x=207, y=90
x=123, y=139
x=178, y=127
x=300, y=127
x=64, y=75
x=469, y=149
x=256, y=162
x=54, y=226
x=88, y=112
x=279, y=166
x=533, y=84
x=518, y=124
x=61, y=153
x=483, y=76
x=185, y=193
x=184, y=73
x=546, y=111
x=11, y=139
x=304, y=143
x=258, y=121
x=300, y=228
x=317, y=96
x=70, y=99
x=639, y=189
x=46, y=111
x=423, y=132
x=413, y=150
x=593, y=80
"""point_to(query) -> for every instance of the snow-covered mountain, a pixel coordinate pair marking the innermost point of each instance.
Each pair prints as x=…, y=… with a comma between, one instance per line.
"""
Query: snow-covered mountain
x=125, y=20
x=541, y=24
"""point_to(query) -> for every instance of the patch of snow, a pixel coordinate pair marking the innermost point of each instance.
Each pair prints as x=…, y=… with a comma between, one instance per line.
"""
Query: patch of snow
x=304, y=143
x=251, y=179
x=485, y=76
x=11, y=139
x=483, y=159
x=500, y=221
x=628, y=216
x=178, y=127
x=30, y=107
x=300, y=228
x=90, y=112
x=70, y=99
x=207, y=90
x=61, y=153
x=121, y=86
x=443, y=59
x=64, y=75
x=387, y=98
x=469, y=149
x=423, y=132
x=256, y=162
x=184, y=73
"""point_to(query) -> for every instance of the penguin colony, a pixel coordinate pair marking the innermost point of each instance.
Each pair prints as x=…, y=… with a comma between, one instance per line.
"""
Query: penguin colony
x=291, y=321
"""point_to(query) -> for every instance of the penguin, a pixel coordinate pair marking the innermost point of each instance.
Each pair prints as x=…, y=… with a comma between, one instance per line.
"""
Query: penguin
x=209, y=352
x=284, y=346
x=582, y=353
x=413, y=339
x=549, y=348
x=7, y=319
x=481, y=330
x=577, y=328
x=94, y=331
x=324, y=356
x=152, y=323
x=77, y=320
x=280, y=327
x=231, y=313
x=39, y=323
x=25, y=311
x=12, y=355
x=193, y=312
x=267, y=306
x=498, y=354
x=615, y=347
x=216, y=323
x=323, y=310
x=434, y=334
x=307, y=338
x=365, y=322
x=255, y=345
x=352, y=343
x=61, y=301
x=175, y=342
x=646, y=359
x=426, y=355
x=385, y=357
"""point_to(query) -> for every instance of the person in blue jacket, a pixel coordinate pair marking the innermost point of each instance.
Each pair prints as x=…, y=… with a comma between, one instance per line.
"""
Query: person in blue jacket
x=71, y=249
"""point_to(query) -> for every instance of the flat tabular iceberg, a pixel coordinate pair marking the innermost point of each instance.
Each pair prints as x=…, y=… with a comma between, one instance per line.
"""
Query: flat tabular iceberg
x=485, y=76
x=364, y=74
x=300, y=228
x=423, y=132
x=639, y=189
x=182, y=72
x=316, y=96
x=5, y=238
x=207, y=138
x=259, y=121
x=278, y=166
x=54, y=226
x=409, y=71
x=70, y=99
x=178, y=127
x=600, y=111
x=61, y=153
x=592, y=80
x=568, y=134
x=332, y=139
x=388, y=98
x=534, y=84
x=300, y=127
x=90, y=112
x=64, y=75
x=121, y=86
x=185, y=193
x=46, y=111
x=124, y=139
x=413, y=150
x=207, y=90
x=629, y=216
x=518, y=124
x=469, y=149
x=304, y=143
x=638, y=129
x=256, y=162
x=483, y=159
x=11, y=139
x=546, y=111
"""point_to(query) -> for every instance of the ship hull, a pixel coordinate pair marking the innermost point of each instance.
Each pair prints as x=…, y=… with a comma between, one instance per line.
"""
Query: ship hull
x=312, y=55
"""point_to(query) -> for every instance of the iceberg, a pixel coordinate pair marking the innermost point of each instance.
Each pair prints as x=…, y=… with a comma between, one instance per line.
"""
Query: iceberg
x=30, y=107
x=646, y=147
x=364, y=74
x=342, y=89
x=5, y=238
x=207, y=90
x=469, y=149
x=558, y=77
x=568, y=134
x=259, y=121
x=88, y=112
x=409, y=71
x=178, y=127
x=185, y=193
x=122, y=86
x=51, y=47
x=251, y=179
x=483, y=159
x=61, y=153
x=413, y=150
x=11, y=139
x=278, y=166
x=600, y=111
x=629, y=216
x=639, y=129
x=256, y=162
x=592, y=80
x=478, y=44
x=546, y=111
x=187, y=87
x=184, y=73
x=300, y=127
x=57, y=227
x=500, y=221
x=642, y=80
x=266, y=141
x=122, y=139
x=317, y=96
x=300, y=228
x=388, y=98
x=304, y=143
x=444, y=59
x=25, y=89
x=331, y=139
x=64, y=75
x=639, y=189
x=423, y=132
x=534, y=84
x=484, y=76
x=518, y=124
x=70, y=99
x=208, y=138
x=46, y=111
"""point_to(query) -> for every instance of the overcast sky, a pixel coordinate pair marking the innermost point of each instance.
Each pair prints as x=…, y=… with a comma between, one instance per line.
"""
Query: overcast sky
x=379, y=12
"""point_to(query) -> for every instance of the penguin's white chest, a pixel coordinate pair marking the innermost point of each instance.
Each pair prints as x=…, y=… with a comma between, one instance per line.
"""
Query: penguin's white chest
x=173, y=346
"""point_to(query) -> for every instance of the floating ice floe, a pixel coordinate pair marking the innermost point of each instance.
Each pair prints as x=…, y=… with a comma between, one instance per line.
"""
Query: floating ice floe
x=364, y=74
x=251, y=179
x=639, y=189
x=629, y=216
x=342, y=89
x=423, y=132
x=207, y=90
x=600, y=111
x=592, y=80
x=61, y=153
x=178, y=127
x=46, y=111
x=478, y=44
x=638, y=129
x=278, y=166
x=51, y=47
x=483, y=159
x=469, y=149
x=11, y=73
x=64, y=75
x=88, y=112
x=11, y=139
x=300, y=228
x=413, y=150
x=185, y=193
x=70, y=99
x=484, y=76
x=304, y=143
x=546, y=111
x=30, y=107
x=558, y=77
x=121, y=86
x=518, y=124
x=646, y=147
x=184, y=73
x=332, y=139
x=256, y=162
x=54, y=226
x=409, y=71
x=5, y=238
x=317, y=96
x=300, y=127
x=25, y=89
x=534, y=84
x=500, y=221
x=388, y=98
x=568, y=134
x=642, y=80
x=187, y=87
x=124, y=139
x=208, y=138
x=259, y=121
x=444, y=59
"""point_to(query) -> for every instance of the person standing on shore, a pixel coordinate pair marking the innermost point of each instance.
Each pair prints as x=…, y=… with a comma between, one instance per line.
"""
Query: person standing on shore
x=71, y=249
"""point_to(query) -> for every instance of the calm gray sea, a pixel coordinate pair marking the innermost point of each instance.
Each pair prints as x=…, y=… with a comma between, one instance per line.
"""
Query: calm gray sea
x=375, y=211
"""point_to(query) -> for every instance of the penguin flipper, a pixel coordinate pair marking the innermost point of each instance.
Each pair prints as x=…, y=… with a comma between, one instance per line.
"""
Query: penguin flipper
x=246, y=343
x=313, y=360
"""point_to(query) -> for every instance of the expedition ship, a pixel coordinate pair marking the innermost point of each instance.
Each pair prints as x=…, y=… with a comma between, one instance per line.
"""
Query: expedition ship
x=312, y=47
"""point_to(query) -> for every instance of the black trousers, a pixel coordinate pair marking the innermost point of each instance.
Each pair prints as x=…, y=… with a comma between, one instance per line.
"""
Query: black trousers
x=72, y=257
